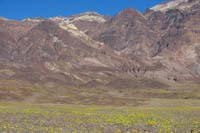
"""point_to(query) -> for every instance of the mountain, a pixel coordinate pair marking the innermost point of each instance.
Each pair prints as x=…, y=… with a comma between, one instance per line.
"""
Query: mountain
x=182, y=5
x=156, y=49
x=178, y=42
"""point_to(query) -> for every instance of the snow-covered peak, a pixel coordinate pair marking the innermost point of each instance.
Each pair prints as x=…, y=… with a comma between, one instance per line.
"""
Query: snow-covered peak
x=34, y=19
x=88, y=16
x=175, y=4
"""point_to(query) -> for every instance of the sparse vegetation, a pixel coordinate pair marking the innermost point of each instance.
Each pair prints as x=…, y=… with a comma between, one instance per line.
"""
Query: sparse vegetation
x=51, y=118
x=166, y=110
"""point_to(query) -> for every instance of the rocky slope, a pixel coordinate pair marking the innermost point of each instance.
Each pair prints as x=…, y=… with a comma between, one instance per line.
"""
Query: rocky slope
x=178, y=41
x=160, y=46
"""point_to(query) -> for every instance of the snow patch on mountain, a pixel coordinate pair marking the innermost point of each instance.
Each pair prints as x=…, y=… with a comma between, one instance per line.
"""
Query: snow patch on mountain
x=34, y=20
x=89, y=16
x=175, y=4
x=74, y=31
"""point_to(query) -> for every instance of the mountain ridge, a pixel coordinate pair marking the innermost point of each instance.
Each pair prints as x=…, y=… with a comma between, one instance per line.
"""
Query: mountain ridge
x=156, y=49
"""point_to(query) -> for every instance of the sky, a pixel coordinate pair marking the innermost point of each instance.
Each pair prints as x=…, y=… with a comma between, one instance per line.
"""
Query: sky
x=20, y=9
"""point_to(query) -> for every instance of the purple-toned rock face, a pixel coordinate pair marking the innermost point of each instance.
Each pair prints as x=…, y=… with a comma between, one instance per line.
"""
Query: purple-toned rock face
x=163, y=44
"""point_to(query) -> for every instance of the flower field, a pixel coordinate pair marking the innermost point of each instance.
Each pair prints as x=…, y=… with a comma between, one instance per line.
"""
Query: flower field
x=35, y=118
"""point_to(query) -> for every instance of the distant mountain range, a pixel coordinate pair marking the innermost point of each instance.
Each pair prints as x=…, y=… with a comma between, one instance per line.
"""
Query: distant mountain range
x=159, y=47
